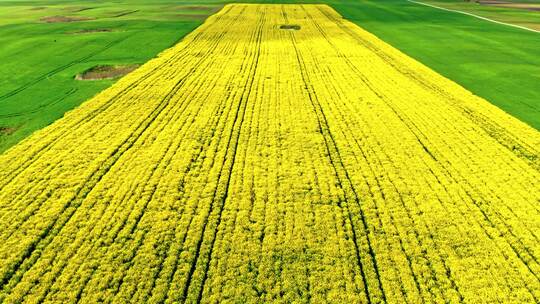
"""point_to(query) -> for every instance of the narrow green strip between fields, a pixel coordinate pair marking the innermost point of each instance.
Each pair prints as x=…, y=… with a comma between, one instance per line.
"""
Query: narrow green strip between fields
x=39, y=59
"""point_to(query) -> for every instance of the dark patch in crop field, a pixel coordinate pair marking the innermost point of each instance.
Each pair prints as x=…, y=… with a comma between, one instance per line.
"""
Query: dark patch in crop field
x=37, y=8
x=294, y=27
x=60, y=19
x=106, y=72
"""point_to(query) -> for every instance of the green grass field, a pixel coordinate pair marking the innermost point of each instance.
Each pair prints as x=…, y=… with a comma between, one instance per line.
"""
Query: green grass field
x=38, y=60
x=496, y=62
x=523, y=17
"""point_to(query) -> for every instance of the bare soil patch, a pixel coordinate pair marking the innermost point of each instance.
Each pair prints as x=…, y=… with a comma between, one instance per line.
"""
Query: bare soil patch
x=7, y=130
x=106, y=72
x=58, y=19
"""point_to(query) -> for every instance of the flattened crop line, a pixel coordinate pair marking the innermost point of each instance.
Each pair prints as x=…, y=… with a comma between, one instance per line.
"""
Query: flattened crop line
x=45, y=181
x=193, y=160
x=196, y=66
x=87, y=118
x=216, y=121
x=142, y=212
x=59, y=137
x=215, y=44
x=223, y=199
x=216, y=40
x=162, y=106
x=414, y=129
x=251, y=135
x=233, y=141
x=165, y=162
x=370, y=86
x=393, y=221
x=79, y=122
x=212, y=124
x=492, y=128
x=432, y=87
x=85, y=189
x=329, y=141
x=446, y=174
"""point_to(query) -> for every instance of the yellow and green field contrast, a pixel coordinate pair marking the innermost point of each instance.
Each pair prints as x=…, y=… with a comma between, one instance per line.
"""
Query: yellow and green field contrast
x=279, y=153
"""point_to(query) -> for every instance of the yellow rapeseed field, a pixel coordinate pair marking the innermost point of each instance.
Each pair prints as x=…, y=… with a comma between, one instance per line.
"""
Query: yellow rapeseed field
x=278, y=153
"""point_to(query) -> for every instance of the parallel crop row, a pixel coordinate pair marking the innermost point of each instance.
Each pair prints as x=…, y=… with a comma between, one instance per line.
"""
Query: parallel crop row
x=254, y=162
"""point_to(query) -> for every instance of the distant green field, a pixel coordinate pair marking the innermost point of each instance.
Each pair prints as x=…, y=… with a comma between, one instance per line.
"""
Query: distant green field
x=38, y=60
x=497, y=62
x=519, y=16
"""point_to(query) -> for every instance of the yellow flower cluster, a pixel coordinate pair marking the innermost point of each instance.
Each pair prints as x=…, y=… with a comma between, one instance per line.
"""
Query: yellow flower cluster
x=279, y=153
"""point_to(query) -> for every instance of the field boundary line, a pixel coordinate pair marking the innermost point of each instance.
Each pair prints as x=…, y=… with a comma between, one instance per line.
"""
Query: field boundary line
x=476, y=16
